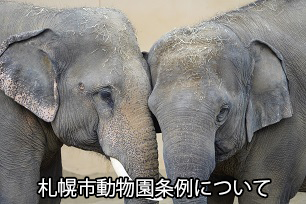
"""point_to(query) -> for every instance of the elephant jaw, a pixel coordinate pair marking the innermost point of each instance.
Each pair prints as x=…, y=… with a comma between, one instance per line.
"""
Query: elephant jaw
x=121, y=172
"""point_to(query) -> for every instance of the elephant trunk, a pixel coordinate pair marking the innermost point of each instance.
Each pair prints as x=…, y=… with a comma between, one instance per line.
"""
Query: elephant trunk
x=132, y=147
x=189, y=150
x=142, y=155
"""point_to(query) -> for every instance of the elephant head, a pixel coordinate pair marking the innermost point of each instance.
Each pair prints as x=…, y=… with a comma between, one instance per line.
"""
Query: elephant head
x=86, y=76
x=210, y=94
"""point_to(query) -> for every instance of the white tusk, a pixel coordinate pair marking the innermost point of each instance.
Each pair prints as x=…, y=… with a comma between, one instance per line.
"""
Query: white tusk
x=119, y=169
x=121, y=172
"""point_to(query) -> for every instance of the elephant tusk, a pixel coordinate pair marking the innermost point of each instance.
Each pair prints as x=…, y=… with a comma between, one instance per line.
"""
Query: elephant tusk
x=119, y=169
x=121, y=172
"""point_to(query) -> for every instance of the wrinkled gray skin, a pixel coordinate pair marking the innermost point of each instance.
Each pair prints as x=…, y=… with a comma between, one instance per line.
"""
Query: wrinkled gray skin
x=229, y=95
x=76, y=77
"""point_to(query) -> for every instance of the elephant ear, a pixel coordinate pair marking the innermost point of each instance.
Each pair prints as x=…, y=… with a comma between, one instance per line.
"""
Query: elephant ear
x=269, y=99
x=27, y=73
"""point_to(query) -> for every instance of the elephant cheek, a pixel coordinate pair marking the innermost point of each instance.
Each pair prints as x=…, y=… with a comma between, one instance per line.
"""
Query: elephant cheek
x=110, y=136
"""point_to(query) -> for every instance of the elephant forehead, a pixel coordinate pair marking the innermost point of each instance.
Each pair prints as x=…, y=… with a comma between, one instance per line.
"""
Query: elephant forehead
x=194, y=57
x=190, y=63
x=99, y=26
x=204, y=35
x=101, y=38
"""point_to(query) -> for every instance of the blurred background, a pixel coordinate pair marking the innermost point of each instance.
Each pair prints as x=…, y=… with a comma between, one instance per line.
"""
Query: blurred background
x=151, y=19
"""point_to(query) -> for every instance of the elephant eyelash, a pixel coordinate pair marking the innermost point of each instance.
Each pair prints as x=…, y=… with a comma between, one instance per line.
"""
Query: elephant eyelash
x=223, y=113
x=225, y=105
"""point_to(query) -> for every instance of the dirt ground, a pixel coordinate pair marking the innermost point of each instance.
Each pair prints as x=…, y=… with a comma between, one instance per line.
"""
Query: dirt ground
x=151, y=19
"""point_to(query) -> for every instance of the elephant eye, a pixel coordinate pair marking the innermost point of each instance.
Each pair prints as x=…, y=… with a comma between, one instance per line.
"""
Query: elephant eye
x=106, y=95
x=223, y=114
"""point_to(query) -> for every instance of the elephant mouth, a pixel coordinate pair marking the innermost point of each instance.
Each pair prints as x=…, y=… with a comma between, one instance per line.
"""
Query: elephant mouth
x=121, y=172
x=93, y=144
x=223, y=153
x=219, y=151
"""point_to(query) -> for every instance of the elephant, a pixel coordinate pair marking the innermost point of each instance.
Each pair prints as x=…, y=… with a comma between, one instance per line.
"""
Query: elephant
x=229, y=96
x=75, y=77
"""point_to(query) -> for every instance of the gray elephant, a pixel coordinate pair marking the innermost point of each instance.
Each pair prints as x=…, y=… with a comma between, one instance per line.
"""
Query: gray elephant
x=229, y=96
x=76, y=77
